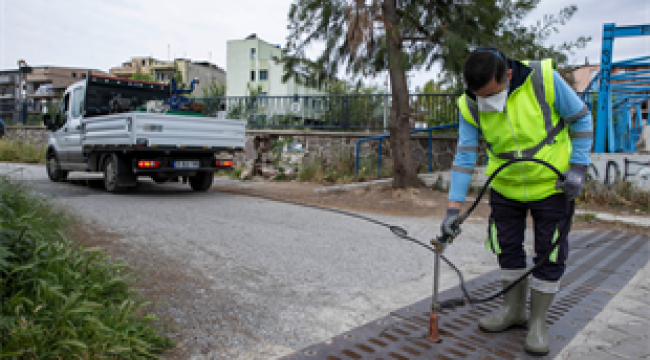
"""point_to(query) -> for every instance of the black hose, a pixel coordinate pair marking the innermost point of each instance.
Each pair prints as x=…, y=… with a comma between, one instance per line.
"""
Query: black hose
x=397, y=230
x=455, y=302
x=402, y=233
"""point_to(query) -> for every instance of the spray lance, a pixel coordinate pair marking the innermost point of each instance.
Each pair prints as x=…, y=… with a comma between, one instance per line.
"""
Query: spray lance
x=442, y=241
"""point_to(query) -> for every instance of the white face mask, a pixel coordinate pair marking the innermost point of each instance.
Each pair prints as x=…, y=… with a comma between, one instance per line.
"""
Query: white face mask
x=494, y=103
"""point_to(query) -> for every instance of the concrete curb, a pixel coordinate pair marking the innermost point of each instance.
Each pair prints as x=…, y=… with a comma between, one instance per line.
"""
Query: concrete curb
x=430, y=179
x=348, y=187
x=641, y=221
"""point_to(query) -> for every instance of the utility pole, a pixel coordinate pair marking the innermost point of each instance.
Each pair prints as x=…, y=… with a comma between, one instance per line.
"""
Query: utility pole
x=23, y=69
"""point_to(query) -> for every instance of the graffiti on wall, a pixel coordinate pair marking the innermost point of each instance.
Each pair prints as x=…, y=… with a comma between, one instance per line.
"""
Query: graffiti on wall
x=635, y=171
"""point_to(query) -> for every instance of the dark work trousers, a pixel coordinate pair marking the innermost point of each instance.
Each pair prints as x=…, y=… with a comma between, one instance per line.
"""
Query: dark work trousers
x=508, y=218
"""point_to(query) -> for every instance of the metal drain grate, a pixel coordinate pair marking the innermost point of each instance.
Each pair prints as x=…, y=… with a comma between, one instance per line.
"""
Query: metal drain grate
x=600, y=265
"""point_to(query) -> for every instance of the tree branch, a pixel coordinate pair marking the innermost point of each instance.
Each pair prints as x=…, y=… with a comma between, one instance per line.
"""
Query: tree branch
x=415, y=39
x=434, y=38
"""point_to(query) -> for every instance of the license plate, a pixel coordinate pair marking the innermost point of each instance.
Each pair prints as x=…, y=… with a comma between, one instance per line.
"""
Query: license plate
x=186, y=164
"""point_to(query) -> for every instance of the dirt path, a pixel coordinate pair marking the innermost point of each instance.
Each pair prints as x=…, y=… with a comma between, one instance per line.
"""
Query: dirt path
x=384, y=200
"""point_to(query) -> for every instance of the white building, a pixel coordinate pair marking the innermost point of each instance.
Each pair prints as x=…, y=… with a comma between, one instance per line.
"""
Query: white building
x=253, y=62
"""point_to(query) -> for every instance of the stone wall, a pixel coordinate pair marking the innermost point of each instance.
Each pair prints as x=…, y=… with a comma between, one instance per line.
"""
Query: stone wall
x=327, y=145
x=318, y=144
x=30, y=134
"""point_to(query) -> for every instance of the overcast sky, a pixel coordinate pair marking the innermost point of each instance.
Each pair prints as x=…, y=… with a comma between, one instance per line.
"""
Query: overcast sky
x=101, y=34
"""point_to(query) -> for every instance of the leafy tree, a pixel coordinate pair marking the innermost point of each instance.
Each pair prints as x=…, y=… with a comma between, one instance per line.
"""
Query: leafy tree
x=435, y=104
x=351, y=111
x=367, y=37
x=215, y=89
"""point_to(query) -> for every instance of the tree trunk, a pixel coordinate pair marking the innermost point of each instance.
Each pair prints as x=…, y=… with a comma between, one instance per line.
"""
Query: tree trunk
x=404, y=171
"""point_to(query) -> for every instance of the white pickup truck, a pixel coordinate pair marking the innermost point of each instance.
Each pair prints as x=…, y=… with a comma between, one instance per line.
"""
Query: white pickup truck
x=104, y=124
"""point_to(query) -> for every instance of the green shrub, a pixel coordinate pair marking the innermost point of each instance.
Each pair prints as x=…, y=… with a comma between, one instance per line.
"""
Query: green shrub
x=18, y=151
x=312, y=170
x=59, y=300
x=235, y=173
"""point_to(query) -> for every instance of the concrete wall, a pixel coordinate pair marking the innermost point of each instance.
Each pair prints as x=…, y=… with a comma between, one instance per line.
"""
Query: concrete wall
x=204, y=72
x=601, y=161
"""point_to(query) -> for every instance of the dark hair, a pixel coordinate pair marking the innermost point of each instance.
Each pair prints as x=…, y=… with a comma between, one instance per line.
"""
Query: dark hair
x=483, y=65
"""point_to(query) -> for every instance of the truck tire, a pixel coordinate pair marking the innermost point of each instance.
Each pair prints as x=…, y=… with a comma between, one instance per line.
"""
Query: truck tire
x=53, y=168
x=202, y=181
x=110, y=175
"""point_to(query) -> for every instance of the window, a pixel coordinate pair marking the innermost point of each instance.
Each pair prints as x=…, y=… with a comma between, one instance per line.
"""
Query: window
x=253, y=53
x=83, y=75
x=74, y=75
x=144, y=63
x=252, y=75
x=264, y=75
x=77, y=104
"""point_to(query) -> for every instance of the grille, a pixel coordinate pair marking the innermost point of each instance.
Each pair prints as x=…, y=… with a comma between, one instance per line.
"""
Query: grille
x=599, y=266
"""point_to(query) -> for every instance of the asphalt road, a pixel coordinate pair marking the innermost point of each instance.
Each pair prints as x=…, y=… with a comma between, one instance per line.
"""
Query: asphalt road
x=275, y=277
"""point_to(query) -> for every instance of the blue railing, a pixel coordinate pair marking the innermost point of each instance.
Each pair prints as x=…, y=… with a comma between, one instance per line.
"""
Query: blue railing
x=380, y=138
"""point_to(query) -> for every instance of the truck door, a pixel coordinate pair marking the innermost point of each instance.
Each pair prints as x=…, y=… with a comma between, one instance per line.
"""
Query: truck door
x=60, y=134
x=73, y=134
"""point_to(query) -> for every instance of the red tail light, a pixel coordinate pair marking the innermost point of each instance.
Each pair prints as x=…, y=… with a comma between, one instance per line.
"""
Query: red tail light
x=148, y=164
x=223, y=163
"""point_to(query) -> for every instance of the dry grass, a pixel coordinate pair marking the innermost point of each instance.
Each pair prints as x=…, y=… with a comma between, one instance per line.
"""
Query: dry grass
x=18, y=151
x=341, y=168
x=619, y=195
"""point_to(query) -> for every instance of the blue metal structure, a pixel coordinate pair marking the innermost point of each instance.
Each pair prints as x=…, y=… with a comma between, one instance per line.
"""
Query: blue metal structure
x=380, y=138
x=176, y=101
x=613, y=122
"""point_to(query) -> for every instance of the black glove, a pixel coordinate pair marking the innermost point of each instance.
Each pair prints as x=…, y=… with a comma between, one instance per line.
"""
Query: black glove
x=447, y=227
x=575, y=179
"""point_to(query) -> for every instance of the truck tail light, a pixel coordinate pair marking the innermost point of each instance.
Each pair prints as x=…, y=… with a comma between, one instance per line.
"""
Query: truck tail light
x=223, y=163
x=148, y=164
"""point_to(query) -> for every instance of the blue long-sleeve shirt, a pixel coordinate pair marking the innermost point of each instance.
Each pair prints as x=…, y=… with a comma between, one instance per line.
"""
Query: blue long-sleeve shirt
x=567, y=103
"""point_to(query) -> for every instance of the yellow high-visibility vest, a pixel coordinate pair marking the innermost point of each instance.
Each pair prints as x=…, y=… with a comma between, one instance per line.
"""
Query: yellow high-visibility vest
x=530, y=126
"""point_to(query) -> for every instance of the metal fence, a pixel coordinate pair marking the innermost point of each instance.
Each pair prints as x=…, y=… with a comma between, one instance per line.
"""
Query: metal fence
x=318, y=112
x=21, y=112
x=330, y=112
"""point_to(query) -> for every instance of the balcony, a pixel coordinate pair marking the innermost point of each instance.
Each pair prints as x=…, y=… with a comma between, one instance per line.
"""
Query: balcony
x=123, y=71
x=163, y=66
x=7, y=79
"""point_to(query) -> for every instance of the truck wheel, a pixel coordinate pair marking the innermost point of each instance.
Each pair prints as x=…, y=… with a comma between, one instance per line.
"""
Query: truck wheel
x=202, y=181
x=110, y=175
x=53, y=168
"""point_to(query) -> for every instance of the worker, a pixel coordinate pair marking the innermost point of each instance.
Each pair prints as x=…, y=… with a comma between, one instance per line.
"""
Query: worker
x=522, y=109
